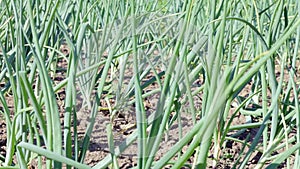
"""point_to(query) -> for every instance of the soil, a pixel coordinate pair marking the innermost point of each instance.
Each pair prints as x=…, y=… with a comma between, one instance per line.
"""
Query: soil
x=124, y=124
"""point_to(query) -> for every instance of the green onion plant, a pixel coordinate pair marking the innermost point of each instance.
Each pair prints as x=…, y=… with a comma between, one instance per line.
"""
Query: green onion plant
x=233, y=58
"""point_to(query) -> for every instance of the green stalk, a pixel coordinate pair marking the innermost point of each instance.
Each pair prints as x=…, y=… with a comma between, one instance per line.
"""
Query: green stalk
x=139, y=104
x=295, y=56
x=54, y=130
x=213, y=82
x=100, y=88
x=159, y=123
